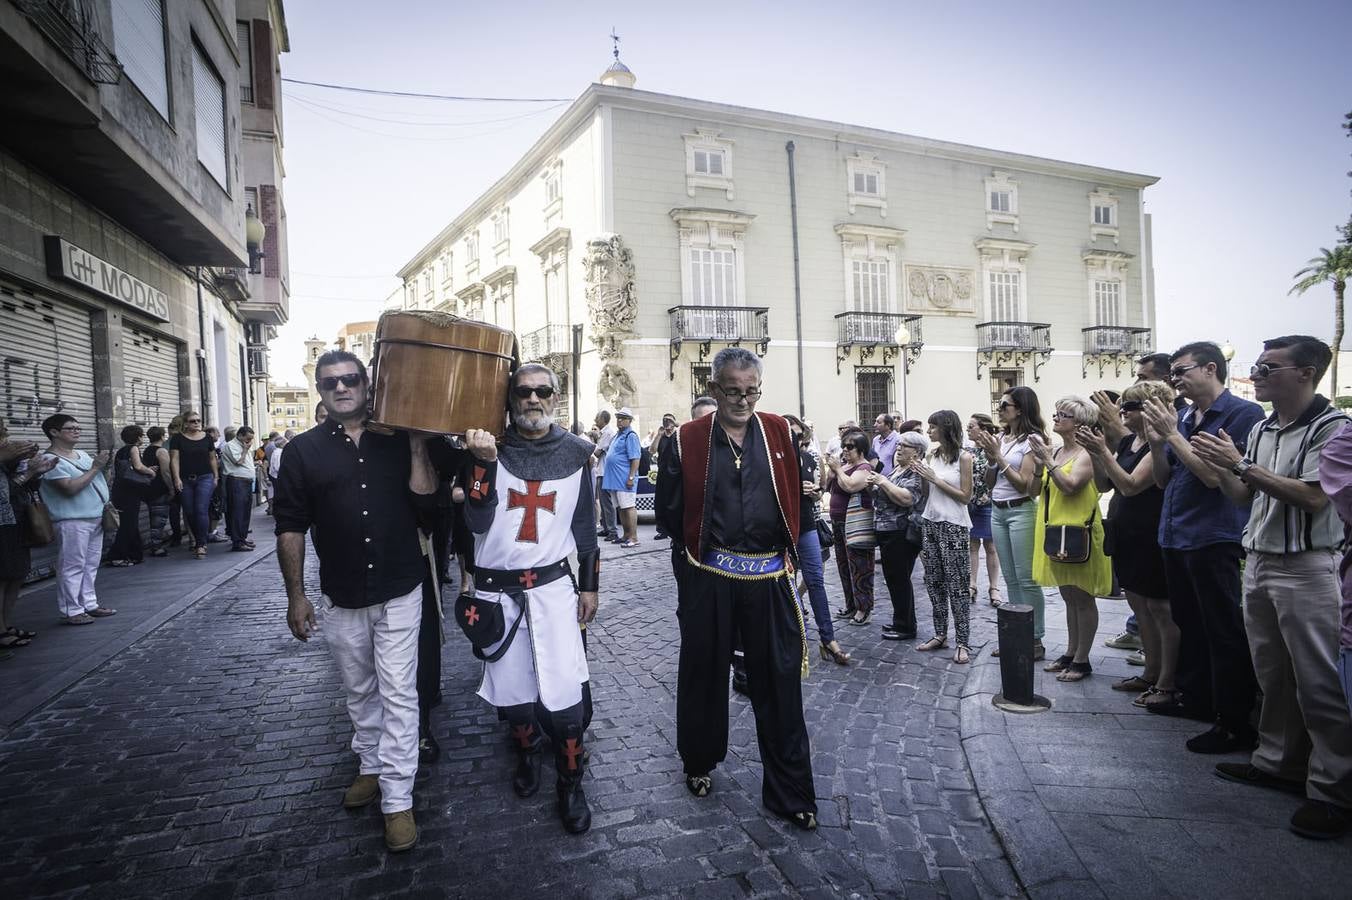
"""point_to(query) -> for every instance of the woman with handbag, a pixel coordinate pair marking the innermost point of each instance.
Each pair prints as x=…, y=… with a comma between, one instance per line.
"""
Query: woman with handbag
x=851, y=519
x=898, y=503
x=76, y=494
x=810, y=547
x=1131, y=538
x=131, y=478
x=947, y=527
x=1068, y=550
x=18, y=469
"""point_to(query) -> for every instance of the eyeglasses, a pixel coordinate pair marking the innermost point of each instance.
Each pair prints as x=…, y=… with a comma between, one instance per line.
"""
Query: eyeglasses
x=1178, y=372
x=330, y=382
x=736, y=396
x=1056, y=416
x=70, y=427
x=192, y=421
x=1263, y=370
x=524, y=391
x=1132, y=406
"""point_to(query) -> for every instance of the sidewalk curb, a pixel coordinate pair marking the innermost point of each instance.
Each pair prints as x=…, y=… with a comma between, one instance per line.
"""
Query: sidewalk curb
x=1043, y=861
x=49, y=690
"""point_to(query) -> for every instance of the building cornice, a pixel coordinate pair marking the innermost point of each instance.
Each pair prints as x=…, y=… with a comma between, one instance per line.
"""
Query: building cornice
x=1106, y=255
x=881, y=233
x=1000, y=245
x=687, y=216
x=558, y=239
x=500, y=276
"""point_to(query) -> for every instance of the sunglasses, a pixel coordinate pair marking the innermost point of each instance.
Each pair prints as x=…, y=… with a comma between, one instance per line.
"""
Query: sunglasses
x=192, y=421
x=1005, y=404
x=523, y=391
x=1132, y=406
x=330, y=382
x=1178, y=372
x=1263, y=370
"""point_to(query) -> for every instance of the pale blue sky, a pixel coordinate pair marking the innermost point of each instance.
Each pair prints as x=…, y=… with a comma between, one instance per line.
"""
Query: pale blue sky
x=1235, y=106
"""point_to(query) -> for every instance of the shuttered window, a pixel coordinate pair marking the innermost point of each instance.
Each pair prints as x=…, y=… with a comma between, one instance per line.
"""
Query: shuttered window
x=138, y=41
x=209, y=95
x=244, y=38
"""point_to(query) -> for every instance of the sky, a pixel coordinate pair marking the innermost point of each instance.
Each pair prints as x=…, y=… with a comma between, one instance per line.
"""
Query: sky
x=1235, y=106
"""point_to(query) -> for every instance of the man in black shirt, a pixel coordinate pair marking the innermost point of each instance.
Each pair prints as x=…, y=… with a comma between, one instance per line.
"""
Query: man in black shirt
x=363, y=490
x=666, y=437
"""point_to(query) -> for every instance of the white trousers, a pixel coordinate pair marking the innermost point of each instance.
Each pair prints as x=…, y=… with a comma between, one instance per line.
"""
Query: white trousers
x=376, y=649
x=77, y=565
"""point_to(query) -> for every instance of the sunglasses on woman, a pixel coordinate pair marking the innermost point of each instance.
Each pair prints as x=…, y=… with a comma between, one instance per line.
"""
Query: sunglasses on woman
x=330, y=382
x=1132, y=406
x=523, y=391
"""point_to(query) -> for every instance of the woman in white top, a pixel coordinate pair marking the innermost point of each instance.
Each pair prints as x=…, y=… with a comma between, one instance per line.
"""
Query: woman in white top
x=947, y=526
x=1012, y=472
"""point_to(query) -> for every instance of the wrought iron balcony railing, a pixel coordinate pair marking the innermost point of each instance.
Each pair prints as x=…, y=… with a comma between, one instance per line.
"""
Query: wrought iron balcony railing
x=73, y=28
x=542, y=343
x=1003, y=343
x=730, y=325
x=1116, y=344
x=896, y=333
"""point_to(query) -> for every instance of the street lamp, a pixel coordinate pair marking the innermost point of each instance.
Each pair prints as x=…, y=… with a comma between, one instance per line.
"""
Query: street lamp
x=254, y=233
x=902, y=338
x=1228, y=352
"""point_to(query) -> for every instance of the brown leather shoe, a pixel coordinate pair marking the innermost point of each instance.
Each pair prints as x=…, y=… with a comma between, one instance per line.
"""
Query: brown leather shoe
x=401, y=833
x=364, y=789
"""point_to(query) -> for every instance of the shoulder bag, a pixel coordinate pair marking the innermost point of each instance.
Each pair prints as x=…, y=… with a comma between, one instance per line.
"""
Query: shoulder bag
x=915, y=532
x=859, y=533
x=35, y=520
x=112, y=519
x=1065, y=543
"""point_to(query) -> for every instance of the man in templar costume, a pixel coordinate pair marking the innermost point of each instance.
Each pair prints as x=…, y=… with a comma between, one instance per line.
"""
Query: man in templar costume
x=730, y=496
x=529, y=505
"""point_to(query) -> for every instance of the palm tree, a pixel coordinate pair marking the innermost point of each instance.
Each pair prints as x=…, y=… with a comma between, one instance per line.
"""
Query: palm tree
x=1333, y=266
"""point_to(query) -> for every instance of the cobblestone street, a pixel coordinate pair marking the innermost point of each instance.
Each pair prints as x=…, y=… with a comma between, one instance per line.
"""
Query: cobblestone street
x=209, y=758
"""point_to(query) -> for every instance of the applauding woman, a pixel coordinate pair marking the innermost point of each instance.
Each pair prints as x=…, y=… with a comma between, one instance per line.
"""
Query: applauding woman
x=947, y=525
x=1068, y=552
x=845, y=478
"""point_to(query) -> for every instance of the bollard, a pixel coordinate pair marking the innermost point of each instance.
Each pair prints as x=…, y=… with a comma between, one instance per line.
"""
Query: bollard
x=1014, y=623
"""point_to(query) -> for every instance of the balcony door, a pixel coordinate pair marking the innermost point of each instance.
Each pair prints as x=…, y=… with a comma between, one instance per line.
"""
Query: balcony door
x=1108, y=314
x=713, y=280
x=873, y=297
x=1005, y=294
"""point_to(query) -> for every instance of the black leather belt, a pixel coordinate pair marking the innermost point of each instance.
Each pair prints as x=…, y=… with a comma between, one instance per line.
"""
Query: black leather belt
x=1010, y=504
x=508, y=580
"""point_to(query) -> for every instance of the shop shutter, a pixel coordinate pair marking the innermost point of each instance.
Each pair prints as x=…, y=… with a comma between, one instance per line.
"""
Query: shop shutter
x=149, y=377
x=46, y=364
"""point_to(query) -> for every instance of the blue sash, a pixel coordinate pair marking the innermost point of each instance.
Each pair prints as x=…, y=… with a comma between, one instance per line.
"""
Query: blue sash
x=744, y=566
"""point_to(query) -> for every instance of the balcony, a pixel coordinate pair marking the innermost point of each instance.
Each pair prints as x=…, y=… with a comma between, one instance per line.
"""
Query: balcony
x=729, y=325
x=258, y=362
x=897, y=334
x=72, y=29
x=542, y=344
x=1013, y=343
x=231, y=283
x=1115, y=344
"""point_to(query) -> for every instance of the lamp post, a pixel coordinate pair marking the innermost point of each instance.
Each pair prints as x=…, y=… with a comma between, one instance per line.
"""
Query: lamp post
x=902, y=338
x=1227, y=351
x=254, y=233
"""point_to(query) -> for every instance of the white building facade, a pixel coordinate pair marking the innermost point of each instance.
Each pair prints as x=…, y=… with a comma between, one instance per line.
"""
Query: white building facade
x=874, y=271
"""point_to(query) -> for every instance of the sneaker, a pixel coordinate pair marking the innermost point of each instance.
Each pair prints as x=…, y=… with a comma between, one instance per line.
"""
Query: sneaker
x=1247, y=773
x=1321, y=821
x=401, y=832
x=1221, y=740
x=1136, y=659
x=364, y=789
x=1124, y=641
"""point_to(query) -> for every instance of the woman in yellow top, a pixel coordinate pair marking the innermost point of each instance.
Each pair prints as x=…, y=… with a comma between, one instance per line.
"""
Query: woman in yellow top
x=1070, y=497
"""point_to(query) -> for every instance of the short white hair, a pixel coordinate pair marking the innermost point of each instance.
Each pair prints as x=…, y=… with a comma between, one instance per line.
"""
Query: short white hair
x=1082, y=412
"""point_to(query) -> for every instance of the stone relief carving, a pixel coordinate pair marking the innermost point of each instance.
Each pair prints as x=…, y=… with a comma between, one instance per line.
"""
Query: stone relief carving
x=612, y=304
x=616, y=385
x=939, y=289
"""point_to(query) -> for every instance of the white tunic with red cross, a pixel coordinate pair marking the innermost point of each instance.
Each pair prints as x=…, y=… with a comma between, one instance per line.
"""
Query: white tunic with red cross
x=532, y=526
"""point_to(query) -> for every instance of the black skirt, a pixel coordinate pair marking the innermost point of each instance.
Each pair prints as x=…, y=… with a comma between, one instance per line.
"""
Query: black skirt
x=15, y=560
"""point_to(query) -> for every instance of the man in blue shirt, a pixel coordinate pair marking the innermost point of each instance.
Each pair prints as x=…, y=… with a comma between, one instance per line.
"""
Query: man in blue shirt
x=1199, y=532
x=885, y=439
x=620, y=477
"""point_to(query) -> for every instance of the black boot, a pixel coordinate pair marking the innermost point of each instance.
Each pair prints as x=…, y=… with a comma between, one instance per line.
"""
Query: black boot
x=526, y=778
x=570, y=761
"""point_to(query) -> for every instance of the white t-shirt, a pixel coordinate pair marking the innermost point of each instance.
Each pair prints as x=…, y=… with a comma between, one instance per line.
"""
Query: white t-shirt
x=1013, y=451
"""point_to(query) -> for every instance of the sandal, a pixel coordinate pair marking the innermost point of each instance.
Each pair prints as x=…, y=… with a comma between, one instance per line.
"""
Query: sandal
x=972, y=591
x=843, y=613
x=858, y=621
x=120, y=563
x=1157, y=697
x=963, y=655
x=200, y=553
x=1076, y=672
x=15, y=631
x=934, y=643
x=625, y=545
x=1132, y=683
x=9, y=641
x=699, y=785
x=995, y=597
x=1060, y=664
x=78, y=619
x=833, y=652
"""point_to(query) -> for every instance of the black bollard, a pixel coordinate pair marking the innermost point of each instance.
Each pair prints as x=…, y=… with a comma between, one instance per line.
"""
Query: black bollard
x=1015, y=625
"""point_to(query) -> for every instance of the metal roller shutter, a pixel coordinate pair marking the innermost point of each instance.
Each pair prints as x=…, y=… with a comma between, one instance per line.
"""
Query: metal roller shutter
x=46, y=363
x=149, y=377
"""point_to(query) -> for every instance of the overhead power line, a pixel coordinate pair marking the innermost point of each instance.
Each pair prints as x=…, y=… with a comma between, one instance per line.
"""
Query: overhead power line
x=361, y=90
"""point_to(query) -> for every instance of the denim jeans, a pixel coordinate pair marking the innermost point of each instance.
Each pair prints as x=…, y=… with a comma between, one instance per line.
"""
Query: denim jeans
x=196, y=501
x=1014, y=531
x=810, y=558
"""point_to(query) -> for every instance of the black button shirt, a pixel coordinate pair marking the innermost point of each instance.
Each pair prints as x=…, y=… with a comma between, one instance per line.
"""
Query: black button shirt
x=743, y=513
x=364, y=515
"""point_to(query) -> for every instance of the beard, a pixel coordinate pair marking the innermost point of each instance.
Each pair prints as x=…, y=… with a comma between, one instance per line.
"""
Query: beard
x=532, y=419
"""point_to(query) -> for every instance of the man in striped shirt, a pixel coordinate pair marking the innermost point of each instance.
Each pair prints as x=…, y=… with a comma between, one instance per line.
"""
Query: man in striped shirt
x=1291, y=588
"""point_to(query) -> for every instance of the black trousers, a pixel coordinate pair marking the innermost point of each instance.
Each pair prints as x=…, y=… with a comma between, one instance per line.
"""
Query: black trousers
x=565, y=728
x=127, y=543
x=238, y=507
x=1215, y=670
x=899, y=556
x=429, y=655
x=713, y=612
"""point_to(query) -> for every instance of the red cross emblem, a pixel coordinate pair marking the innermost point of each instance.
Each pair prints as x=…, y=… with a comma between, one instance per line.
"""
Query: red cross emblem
x=472, y=614
x=572, y=749
x=532, y=501
x=522, y=733
x=528, y=578
x=480, y=489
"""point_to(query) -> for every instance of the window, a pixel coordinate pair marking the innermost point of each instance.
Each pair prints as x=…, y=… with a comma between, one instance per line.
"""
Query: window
x=209, y=103
x=251, y=201
x=244, y=39
x=138, y=41
x=551, y=187
x=708, y=162
x=700, y=373
x=1002, y=380
x=427, y=281
x=413, y=294
x=472, y=256
x=713, y=268
x=1106, y=274
x=713, y=276
x=873, y=391
x=1005, y=302
x=871, y=293
x=1002, y=265
x=447, y=258
x=866, y=182
x=501, y=232
x=552, y=177
x=1002, y=201
x=1102, y=215
x=870, y=254
x=1108, y=302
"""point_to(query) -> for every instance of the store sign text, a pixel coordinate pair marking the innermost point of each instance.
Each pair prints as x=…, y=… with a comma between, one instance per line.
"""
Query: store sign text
x=65, y=260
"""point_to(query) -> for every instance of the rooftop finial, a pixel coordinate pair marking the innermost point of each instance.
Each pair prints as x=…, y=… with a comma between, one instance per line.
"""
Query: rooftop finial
x=618, y=75
x=615, y=43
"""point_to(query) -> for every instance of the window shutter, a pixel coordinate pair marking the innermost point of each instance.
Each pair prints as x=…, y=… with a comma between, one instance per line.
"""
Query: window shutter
x=264, y=87
x=138, y=40
x=209, y=97
x=244, y=40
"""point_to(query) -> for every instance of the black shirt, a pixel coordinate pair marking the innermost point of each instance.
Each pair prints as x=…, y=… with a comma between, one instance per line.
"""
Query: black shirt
x=367, y=539
x=1138, y=516
x=809, y=510
x=194, y=456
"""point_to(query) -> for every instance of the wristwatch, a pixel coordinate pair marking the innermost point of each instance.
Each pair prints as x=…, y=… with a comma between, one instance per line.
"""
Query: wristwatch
x=1241, y=468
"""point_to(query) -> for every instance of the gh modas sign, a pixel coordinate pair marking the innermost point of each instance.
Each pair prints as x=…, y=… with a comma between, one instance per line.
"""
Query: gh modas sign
x=65, y=260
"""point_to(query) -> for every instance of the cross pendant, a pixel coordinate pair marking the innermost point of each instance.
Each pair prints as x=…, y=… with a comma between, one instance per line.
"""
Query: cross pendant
x=738, y=463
